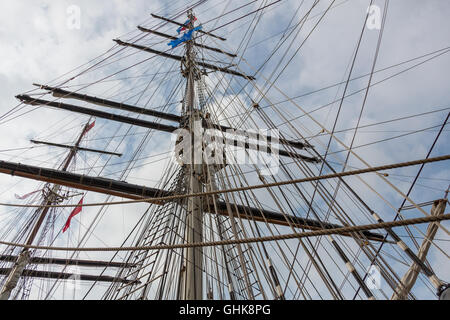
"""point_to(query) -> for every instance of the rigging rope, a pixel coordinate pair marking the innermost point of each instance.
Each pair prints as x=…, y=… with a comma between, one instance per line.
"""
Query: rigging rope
x=338, y=231
x=259, y=186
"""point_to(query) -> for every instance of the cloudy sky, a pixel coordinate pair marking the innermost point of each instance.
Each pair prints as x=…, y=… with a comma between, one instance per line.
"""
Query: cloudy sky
x=44, y=42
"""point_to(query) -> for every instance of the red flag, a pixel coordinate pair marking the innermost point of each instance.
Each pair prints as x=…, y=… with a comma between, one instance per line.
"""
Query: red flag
x=75, y=211
x=90, y=127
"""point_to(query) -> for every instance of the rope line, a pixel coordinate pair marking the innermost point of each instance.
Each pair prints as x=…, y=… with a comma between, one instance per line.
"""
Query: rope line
x=259, y=186
x=342, y=230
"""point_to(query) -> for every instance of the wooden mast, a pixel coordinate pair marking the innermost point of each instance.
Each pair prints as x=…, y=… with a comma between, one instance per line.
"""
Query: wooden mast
x=25, y=256
x=410, y=277
x=192, y=288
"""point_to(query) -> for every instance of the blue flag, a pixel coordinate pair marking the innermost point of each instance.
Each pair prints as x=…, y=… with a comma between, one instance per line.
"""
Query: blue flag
x=186, y=37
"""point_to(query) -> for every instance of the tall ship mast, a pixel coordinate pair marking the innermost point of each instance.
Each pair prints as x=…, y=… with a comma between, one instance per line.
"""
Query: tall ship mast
x=186, y=169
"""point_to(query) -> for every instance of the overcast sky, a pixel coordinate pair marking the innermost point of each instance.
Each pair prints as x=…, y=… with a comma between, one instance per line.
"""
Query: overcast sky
x=41, y=42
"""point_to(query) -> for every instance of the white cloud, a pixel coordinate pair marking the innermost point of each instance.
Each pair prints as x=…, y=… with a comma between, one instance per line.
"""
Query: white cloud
x=39, y=47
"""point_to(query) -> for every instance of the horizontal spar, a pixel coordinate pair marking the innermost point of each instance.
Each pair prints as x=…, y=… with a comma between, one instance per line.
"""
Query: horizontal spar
x=60, y=93
x=195, y=44
x=65, y=276
x=266, y=138
x=180, y=58
x=181, y=25
x=77, y=181
x=74, y=147
x=136, y=192
x=268, y=216
x=99, y=114
x=266, y=149
x=138, y=122
x=69, y=262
